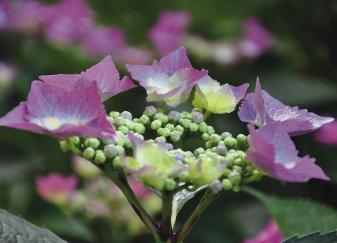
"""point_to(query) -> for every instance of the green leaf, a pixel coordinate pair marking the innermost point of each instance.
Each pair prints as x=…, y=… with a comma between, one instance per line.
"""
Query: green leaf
x=314, y=238
x=180, y=199
x=15, y=229
x=299, y=90
x=298, y=216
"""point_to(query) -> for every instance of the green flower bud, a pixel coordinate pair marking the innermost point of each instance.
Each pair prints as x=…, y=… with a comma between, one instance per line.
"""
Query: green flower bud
x=185, y=123
x=227, y=184
x=92, y=142
x=129, y=124
x=170, y=126
x=199, y=151
x=164, y=119
x=114, y=114
x=156, y=124
x=175, y=136
x=203, y=127
x=75, y=140
x=117, y=163
x=197, y=117
x=120, y=150
x=235, y=177
x=119, y=121
x=126, y=115
x=183, y=176
x=242, y=141
x=150, y=110
x=123, y=129
x=166, y=132
x=221, y=149
x=215, y=138
x=100, y=157
x=205, y=136
x=174, y=116
x=194, y=127
x=144, y=119
x=208, y=144
x=158, y=115
x=139, y=128
x=170, y=184
x=160, y=140
x=210, y=130
x=179, y=128
x=224, y=135
x=88, y=153
x=230, y=142
x=64, y=146
x=110, y=151
x=238, y=161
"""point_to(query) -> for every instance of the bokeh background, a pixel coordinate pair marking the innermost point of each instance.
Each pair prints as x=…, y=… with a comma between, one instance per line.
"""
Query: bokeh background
x=296, y=63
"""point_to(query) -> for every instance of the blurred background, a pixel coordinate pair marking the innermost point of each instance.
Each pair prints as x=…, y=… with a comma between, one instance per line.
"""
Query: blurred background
x=290, y=45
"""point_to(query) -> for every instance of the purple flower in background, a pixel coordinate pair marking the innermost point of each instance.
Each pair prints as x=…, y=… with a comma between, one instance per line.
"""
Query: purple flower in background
x=260, y=108
x=272, y=150
x=256, y=39
x=167, y=33
x=100, y=40
x=134, y=55
x=61, y=113
x=104, y=73
x=29, y=15
x=66, y=21
x=170, y=79
x=269, y=234
x=327, y=134
x=56, y=188
x=6, y=14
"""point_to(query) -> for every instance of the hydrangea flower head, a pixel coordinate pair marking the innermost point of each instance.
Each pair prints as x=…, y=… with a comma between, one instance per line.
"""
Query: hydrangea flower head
x=269, y=234
x=272, y=150
x=170, y=80
x=327, y=134
x=56, y=188
x=54, y=111
x=6, y=15
x=216, y=98
x=104, y=73
x=260, y=109
x=167, y=33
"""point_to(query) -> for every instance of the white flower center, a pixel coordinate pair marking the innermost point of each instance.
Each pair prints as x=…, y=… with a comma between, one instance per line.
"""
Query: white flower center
x=51, y=123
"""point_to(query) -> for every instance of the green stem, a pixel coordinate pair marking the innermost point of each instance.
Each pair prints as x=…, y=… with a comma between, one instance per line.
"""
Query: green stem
x=166, y=230
x=122, y=183
x=73, y=148
x=206, y=115
x=205, y=201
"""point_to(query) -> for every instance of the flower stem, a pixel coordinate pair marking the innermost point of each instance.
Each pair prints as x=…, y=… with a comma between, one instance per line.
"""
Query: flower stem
x=166, y=230
x=205, y=201
x=206, y=115
x=122, y=183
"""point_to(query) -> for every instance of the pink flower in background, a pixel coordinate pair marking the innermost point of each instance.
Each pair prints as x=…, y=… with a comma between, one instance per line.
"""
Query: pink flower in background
x=29, y=15
x=256, y=39
x=66, y=21
x=100, y=40
x=327, y=134
x=167, y=33
x=56, y=188
x=269, y=234
x=134, y=55
x=6, y=14
x=7, y=74
x=139, y=188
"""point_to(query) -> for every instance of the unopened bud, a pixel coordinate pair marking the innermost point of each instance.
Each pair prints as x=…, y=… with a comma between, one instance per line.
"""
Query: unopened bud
x=174, y=116
x=64, y=146
x=156, y=124
x=170, y=184
x=126, y=115
x=92, y=142
x=100, y=157
x=150, y=110
x=88, y=153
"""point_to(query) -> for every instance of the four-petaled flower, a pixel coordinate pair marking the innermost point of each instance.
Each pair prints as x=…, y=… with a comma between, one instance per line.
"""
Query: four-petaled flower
x=104, y=73
x=61, y=113
x=260, y=109
x=272, y=150
x=216, y=98
x=169, y=80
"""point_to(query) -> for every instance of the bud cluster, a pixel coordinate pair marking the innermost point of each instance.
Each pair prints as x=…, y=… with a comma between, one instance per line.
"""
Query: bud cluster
x=220, y=163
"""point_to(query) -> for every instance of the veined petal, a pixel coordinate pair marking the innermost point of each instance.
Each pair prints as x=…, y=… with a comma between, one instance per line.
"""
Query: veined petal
x=272, y=150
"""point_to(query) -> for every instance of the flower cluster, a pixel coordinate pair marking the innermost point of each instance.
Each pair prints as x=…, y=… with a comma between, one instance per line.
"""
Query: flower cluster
x=97, y=197
x=175, y=153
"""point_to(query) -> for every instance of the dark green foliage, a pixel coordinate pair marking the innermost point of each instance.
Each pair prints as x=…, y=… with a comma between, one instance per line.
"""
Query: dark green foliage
x=314, y=237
